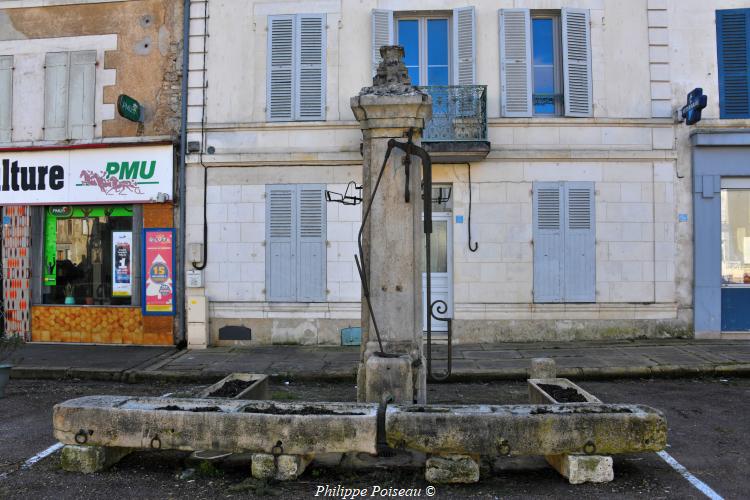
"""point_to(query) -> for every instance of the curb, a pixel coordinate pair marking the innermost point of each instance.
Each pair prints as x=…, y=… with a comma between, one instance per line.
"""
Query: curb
x=349, y=376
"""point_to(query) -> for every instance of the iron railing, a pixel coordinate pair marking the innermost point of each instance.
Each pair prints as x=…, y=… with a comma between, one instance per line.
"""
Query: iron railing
x=459, y=113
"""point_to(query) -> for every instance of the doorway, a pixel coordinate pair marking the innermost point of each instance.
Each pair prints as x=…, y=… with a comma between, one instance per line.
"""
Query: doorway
x=441, y=264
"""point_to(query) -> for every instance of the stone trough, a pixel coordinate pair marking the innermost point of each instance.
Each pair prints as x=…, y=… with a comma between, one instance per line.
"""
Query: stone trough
x=283, y=437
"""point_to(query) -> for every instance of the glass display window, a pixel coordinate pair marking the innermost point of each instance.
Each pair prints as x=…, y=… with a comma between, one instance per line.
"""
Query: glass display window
x=89, y=256
x=735, y=237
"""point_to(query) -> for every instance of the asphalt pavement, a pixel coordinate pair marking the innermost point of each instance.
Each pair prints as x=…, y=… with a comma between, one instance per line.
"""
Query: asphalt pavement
x=709, y=435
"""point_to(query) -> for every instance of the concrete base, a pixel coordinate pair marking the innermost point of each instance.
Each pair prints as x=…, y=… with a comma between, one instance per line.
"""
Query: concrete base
x=88, y=459
x=281, y=468
x=580, y=469
x=389, y=377
x=452, y=469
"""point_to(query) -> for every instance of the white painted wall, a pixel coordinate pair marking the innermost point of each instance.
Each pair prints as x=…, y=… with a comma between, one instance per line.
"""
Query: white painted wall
x=646, y=55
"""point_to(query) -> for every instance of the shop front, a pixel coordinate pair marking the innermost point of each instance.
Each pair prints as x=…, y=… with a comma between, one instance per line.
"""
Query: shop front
x=89, y=243
x=721, y=203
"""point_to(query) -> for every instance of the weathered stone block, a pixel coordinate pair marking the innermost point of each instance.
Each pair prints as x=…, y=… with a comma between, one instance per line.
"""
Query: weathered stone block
x=281, y=468
x=290, y=467
x=543, y=368
x=452, y=469
x=263, y=466
x=580, y=469
x=389, y=376
x=88, y=459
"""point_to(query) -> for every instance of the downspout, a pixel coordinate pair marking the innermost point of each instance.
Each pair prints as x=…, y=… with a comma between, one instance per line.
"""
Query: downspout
x=181, y=289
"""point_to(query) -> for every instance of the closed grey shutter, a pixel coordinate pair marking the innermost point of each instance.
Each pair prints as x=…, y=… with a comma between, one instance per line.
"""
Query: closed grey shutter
x=548, y=241
x=515, y=62
x=580, y=243
x=56, y=95
x=6, y=97
x=81, y=94
x=382, y=34
x=311, y=243
x=464, y=46
x=280, y=72
x=281, y=249
x=310, y=72
x=576, y=41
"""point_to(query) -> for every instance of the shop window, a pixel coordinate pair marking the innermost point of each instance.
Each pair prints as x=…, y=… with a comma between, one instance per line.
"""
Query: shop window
x=735, y=236
x=89, y=256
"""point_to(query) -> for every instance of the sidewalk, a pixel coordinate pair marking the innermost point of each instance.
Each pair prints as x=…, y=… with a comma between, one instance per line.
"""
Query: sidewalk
x=579, y=360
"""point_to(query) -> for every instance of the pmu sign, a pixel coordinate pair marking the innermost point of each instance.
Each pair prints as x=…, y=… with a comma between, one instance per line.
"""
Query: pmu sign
x=696, y=101
x=79, y=176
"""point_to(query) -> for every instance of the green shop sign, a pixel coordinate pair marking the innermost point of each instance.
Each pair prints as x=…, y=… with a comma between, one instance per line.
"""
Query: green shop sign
x=129, y=108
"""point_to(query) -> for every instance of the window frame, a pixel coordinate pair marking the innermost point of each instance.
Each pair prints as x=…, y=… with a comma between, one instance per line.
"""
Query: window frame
x=423, y=41
x=557, y=64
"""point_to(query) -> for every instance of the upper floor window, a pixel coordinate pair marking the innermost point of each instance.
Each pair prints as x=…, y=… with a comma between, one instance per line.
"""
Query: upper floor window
x=439, y=49
x=69, y=95
x=545, y=63
x=296, y=81
x=732, y=36
x=426, y=43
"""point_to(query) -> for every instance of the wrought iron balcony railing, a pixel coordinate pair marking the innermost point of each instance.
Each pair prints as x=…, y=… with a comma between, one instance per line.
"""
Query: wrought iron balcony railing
x=459, y=113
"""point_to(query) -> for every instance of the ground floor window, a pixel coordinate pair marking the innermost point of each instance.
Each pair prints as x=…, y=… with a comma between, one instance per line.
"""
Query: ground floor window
x=735, y=236
x=88, y=255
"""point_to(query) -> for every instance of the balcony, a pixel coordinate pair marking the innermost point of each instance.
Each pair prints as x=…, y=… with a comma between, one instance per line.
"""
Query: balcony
x=457, y=131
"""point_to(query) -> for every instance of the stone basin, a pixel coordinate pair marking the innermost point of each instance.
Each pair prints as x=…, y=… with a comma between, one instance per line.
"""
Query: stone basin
x=514, y=430
x=216, y=424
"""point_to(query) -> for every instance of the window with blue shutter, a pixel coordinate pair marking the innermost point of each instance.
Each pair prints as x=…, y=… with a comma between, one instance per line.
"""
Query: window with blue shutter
x=545, y=62
x=564, y=242
x=733, y=45
x=296, y=76
x=295, y=243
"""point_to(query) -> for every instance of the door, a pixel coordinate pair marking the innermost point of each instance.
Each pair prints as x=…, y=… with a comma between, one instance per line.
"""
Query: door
x=735, y=254
x=441, y=265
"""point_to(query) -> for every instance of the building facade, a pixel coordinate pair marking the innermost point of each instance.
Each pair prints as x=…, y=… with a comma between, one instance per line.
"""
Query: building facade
x=563, y=177
x=88, y=195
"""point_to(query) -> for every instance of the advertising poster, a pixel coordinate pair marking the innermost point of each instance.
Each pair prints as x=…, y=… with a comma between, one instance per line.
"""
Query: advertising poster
x=122, y=248
x=158, y=262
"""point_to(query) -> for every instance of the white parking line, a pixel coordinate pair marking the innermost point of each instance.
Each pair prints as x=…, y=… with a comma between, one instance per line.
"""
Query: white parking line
x=700, y=485
x=42, y=454
x=39, y=456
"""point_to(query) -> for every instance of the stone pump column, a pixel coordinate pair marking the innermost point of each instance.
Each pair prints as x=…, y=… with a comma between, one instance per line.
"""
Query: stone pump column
x=393, y=238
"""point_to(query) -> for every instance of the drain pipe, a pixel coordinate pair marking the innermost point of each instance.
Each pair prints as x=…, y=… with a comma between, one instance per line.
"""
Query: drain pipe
x=181, y=289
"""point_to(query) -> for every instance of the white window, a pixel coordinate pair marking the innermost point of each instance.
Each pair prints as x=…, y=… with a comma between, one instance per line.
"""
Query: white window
x=69, y=95
x=439, y=48
x=296, y=79
x=545, y=63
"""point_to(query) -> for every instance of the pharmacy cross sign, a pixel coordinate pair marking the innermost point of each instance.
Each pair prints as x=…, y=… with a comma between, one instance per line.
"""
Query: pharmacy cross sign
x=696, y=101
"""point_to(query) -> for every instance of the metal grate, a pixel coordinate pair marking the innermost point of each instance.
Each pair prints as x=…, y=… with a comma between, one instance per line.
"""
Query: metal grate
x=459, y=113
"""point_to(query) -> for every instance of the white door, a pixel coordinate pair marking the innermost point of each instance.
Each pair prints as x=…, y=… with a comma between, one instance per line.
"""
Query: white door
x=441, y=264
